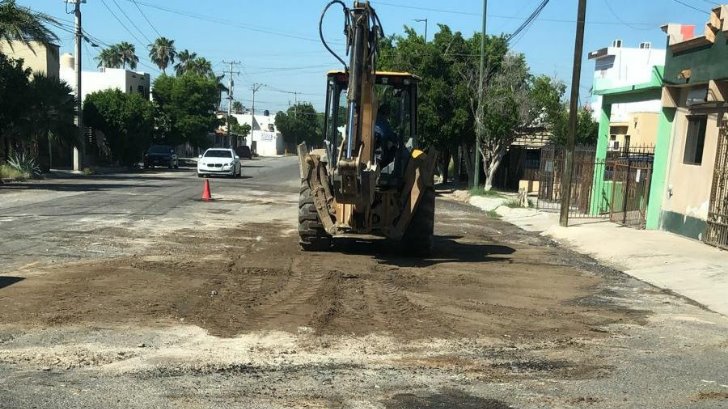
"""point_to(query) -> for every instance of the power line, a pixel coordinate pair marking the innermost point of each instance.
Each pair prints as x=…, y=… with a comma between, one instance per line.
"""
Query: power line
x=131, y=21
x=466, y=13
x=145, y=18
x=690, y=6
x=530, y=19
x=95, y=41
x=220, y=21
x=121, y=22
x=616, y=16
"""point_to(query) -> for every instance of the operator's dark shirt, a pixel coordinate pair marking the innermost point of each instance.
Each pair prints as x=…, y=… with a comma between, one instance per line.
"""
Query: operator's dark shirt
x=385, y=142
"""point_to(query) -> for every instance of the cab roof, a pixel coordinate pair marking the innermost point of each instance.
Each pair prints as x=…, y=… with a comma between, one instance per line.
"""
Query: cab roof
x=380, y=74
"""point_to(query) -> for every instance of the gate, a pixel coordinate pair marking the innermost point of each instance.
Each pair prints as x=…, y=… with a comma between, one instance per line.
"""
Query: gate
x=582, y=186
x=631, y=177
x=620, y=195
x=716, y=233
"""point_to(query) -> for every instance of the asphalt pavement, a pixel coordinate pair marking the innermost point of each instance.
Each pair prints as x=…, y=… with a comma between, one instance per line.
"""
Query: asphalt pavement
x=127, y=290
x=43, y=220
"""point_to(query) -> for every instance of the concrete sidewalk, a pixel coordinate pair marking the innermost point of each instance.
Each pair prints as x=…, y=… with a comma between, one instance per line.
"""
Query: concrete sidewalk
x=684, y=266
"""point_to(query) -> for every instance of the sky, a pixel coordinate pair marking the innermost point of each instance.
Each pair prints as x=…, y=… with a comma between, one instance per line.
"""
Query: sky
x=277, y=44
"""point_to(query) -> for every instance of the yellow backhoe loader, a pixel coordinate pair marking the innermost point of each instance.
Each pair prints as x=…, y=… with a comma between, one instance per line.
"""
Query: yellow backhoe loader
x=370, y=177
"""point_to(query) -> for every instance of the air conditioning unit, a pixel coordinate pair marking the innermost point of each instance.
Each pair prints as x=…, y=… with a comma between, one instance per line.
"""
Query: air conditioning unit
x=646, y=45
x=617, y=43
x=613, y=146
x=697, y=96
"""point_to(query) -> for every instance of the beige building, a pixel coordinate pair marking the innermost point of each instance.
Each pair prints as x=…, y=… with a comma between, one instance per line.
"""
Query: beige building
x=640, y=130
x=36, y=57
x=691, y=163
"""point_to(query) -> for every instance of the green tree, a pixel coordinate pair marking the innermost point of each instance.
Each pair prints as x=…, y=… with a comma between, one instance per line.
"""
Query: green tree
x=162, y=53
x=446, y=66
x=51, y=116
x=109, y=57
x=23, y=24
x=238, y=107
x=300, y=123
x=126, y=121
x=14, y=100
x=241, y=131
x=127, y=55
x=188, y=105
x=552, y=113
x=184, y=58
x=506, y=110
x=199, y=66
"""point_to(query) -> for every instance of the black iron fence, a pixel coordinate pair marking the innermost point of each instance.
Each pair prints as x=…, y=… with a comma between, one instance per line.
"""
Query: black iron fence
x=716, y=233
x=614, y=188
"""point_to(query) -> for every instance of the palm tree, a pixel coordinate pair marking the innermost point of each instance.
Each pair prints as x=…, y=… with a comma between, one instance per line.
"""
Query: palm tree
x=127, y=54
x=50, y=118
x=109, y=57
x=23, y=24
x=200, y=66
x=238, y=107
x=162, y=53
x=185, y=58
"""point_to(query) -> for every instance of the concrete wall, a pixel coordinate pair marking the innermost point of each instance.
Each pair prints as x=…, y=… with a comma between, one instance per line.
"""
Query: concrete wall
x=266, y=143
x=624, y=66
x=704, y=62
x=688, y=187
x=40, y=59
x=265, y=136
x=641, y=128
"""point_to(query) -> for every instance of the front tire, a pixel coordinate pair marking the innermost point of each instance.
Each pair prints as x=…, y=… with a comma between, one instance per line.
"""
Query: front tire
x=311, y=233
x=418, y=238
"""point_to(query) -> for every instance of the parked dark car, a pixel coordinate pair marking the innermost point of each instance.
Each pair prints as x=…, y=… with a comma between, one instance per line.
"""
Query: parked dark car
x=161, y=155
x=244, y=152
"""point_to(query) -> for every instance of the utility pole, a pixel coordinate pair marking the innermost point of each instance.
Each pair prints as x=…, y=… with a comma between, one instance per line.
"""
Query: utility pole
x=481, y=109
x=231, y=84
x=295, y=104
x=421, y=20
x=255, y=88
x=78, y=151
x=573, y=116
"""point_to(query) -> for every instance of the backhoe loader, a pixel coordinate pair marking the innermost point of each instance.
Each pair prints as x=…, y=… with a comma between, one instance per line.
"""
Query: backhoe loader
x=369, y=177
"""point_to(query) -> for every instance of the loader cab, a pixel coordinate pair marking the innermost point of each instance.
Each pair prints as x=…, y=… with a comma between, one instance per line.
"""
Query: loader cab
x=396, y=95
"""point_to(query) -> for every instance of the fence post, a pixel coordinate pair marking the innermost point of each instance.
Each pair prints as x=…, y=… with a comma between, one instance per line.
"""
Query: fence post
x=626, y=190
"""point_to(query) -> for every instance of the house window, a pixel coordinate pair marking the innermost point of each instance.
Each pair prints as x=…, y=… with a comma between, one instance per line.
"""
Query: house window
x=695, y=140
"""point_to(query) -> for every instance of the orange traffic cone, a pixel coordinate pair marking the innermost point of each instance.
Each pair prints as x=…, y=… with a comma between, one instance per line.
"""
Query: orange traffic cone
x=206, y=191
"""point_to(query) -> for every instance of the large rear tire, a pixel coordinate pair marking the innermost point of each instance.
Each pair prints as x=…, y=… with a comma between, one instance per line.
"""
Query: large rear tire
x=418, y=238
x=311, y=233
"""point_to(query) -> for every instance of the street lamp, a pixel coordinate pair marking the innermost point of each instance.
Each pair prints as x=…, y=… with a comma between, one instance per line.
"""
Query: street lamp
x=423, y=20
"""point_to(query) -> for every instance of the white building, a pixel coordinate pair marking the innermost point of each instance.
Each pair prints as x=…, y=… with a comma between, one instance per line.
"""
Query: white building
x=264, y=139
x=618, y=66
x=105, y=78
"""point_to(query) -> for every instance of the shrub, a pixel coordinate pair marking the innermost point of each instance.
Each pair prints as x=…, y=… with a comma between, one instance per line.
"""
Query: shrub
x=24, y=164
x=9, y=172
x=479, y=191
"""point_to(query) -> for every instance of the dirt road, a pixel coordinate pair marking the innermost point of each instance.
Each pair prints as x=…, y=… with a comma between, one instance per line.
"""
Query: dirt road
x=213, y=305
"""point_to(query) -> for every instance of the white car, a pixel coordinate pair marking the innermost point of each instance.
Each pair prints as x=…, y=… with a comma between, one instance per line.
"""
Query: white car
x=219, y=161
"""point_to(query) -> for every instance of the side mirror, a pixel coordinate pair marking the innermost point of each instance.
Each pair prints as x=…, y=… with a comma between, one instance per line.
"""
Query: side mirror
x=237, y=157
x=199, y=156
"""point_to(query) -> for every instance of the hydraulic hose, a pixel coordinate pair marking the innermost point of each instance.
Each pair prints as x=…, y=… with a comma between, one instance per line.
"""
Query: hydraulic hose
x=346, y=26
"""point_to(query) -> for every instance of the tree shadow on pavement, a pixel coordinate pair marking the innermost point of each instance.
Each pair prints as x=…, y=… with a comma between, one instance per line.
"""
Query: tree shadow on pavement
x=8, y=281
x=446, y=249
